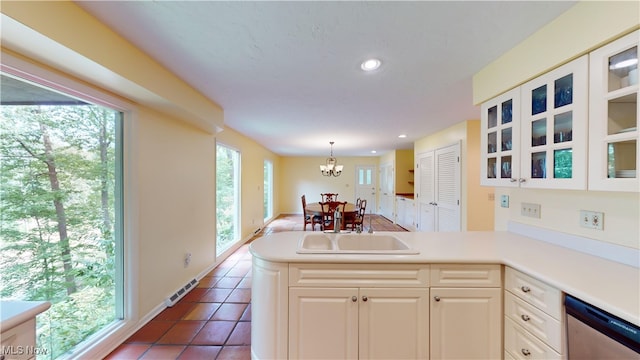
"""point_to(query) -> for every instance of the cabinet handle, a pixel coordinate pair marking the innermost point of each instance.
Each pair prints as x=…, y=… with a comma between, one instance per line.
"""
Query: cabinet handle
x=525, y=352
x=436, y=298
x=525, y=317
x=513, y=180
x=525, y=289
x=365, y=298
x=521, y=180
x=354, y=298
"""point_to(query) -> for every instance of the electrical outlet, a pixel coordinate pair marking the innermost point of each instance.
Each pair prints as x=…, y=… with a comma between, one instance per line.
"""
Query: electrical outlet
x=592, y=219
x=530, y=210
x=504, y=201
x=187, y=259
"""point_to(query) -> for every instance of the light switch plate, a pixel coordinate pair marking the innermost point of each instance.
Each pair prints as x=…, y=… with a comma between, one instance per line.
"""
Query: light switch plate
x=504, y=201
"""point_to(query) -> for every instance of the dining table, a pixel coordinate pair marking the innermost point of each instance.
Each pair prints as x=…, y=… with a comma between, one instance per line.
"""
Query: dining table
x=348, y=215
x=350, y=210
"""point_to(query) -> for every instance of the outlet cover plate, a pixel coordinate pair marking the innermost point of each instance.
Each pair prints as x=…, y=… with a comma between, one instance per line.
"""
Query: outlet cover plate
x=592, y=219
x=530, y=210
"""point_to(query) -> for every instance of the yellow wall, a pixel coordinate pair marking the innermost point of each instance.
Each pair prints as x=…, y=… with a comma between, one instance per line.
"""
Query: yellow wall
x=252, y=160
x=404, y=163
x=578, y=31
x=584, y=27
x=170, y=146
x=476, y=205
x=301, y=176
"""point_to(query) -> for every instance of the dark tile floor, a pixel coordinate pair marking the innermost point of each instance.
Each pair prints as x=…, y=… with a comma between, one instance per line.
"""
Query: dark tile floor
x=213, y=321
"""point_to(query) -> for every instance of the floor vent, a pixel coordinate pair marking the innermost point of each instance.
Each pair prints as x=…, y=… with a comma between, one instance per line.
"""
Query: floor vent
x=173, y=299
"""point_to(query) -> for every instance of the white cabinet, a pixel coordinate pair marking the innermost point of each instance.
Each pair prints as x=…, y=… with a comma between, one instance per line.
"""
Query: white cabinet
x=366, y=311
x=365, y=323
x=500, y=141
x=533, y=318
x=405, y=212
x=18, y=328
x=554, y=122
x=613, y=116
x=438, y=198
x=535, y=136
x=466, y=307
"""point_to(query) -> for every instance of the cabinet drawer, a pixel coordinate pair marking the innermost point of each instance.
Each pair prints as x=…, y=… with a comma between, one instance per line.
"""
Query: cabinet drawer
x=534, y=321
x=522, y=345
x=23, y=335
x=535, y=292
x=462, y=275
x=346, y=275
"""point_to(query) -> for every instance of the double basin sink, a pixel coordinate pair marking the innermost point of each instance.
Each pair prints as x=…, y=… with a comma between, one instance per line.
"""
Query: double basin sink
x=352, y=243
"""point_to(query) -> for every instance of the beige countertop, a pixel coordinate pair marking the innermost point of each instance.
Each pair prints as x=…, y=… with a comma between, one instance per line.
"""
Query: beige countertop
x=14, y=313
x=605, y=283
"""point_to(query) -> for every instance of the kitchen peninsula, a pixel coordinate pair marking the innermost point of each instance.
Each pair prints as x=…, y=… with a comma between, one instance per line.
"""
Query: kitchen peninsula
x=288, y=287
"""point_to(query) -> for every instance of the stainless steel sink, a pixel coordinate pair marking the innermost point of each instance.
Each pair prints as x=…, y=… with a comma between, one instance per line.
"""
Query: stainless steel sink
x=328, y=243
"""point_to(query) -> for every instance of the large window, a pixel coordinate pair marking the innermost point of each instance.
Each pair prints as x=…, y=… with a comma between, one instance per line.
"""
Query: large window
x=227, y=197
x=268, y=190
x=61, y=211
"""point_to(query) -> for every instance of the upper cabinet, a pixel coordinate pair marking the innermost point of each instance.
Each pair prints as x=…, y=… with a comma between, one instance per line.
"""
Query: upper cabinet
x=535, y=136
x=613, y=116
x=554, y=124
x=575, y=127
x=500, y=124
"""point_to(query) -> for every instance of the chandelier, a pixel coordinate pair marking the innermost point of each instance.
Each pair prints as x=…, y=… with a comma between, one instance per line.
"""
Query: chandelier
x=331, y=168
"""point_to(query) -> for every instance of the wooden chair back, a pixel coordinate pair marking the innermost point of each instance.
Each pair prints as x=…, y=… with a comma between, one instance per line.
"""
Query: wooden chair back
x=328, y=211
x=326, y=197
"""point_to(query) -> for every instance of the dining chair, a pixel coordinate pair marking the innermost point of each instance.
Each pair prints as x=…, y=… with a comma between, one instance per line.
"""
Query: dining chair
x=309, y=219
x=329, y=197
x=358, y=219
x=328, y=211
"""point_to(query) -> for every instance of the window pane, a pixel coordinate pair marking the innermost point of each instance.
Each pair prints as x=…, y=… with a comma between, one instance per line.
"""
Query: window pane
x=61, y=201
x=227, y=197
x=268, y=189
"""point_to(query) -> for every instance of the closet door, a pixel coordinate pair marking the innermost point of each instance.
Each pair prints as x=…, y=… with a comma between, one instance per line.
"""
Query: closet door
x=426, y=192
x=448, y=188
x=439, y=189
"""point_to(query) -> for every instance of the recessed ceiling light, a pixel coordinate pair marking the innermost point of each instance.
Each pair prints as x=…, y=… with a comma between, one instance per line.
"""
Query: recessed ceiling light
x=373, y=151
x=370, y=65
x=402, y=136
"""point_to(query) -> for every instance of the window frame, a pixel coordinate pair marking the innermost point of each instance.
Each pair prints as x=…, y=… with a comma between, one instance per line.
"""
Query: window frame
x=103, y=341
x=237, y=190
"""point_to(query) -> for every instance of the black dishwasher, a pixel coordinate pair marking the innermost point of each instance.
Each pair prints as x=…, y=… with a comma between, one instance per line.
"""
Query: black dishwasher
x=593, y=333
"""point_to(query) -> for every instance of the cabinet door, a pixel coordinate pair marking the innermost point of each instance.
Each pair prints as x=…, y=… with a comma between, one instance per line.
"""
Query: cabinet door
x=554, y=128
x=394, y=323
x=466, y=323
x=613, y=116
x=500, y=141
x=323, y=323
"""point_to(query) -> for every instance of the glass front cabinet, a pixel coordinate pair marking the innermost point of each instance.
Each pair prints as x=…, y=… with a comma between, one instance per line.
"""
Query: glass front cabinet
x=535, y=136
x=554, y=128
x=613, y=116
x=500, y=123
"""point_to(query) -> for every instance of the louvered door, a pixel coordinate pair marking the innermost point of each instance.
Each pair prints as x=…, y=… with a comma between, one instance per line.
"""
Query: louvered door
x=448, y=188
x=439, y=189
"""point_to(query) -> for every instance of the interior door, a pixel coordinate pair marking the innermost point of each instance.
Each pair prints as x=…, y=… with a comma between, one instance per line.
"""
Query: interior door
x=426, y=192
x=387, y=192
x=448, y=188
x=439, y=189
x=366, y=185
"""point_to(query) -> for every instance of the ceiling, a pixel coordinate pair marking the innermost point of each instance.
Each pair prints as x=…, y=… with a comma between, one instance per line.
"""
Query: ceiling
x=287, y=73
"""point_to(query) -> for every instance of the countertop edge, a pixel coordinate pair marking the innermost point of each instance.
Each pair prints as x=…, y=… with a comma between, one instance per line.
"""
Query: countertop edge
x=14, y=312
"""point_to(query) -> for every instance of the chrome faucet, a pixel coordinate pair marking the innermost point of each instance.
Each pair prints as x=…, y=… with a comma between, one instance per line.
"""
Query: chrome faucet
x=337, y=220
